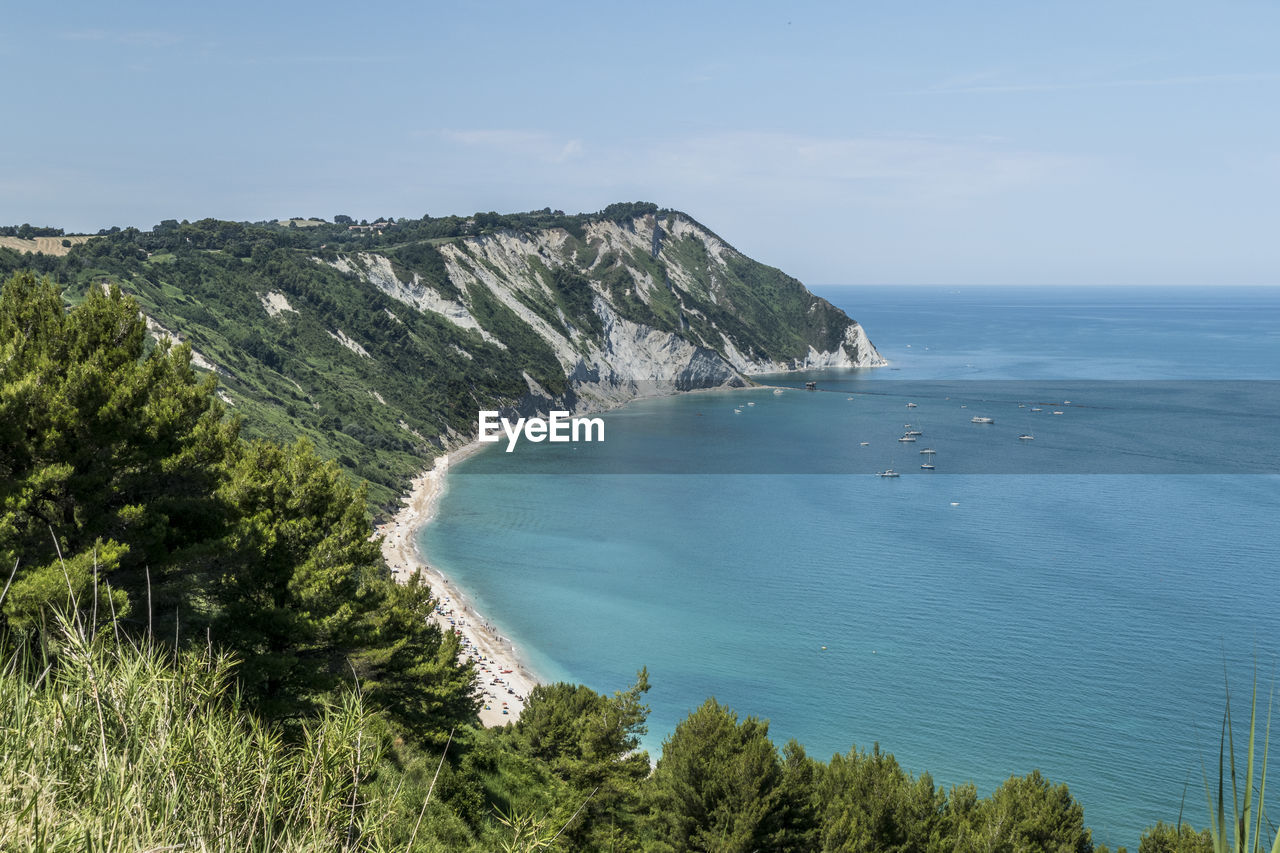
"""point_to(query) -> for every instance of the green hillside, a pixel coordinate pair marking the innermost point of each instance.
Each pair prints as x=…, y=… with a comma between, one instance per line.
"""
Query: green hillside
x=379, y=343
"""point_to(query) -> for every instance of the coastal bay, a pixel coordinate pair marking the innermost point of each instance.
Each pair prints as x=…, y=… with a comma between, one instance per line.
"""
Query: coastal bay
x=976, y=625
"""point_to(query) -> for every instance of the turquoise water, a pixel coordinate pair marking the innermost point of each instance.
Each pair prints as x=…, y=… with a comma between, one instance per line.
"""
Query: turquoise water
x=976, y=624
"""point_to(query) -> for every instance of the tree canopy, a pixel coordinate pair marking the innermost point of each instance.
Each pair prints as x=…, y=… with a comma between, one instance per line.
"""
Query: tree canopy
x=125, y=490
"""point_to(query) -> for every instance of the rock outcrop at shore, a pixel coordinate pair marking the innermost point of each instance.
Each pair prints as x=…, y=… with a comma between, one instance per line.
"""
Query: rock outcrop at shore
x=672, y=307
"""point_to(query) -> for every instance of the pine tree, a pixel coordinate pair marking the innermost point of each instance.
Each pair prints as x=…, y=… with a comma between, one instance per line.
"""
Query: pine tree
x=591, y=742
x=719, y=787
x=109, y=450
x=868, y=802
x=410, y=667
x=124, y=455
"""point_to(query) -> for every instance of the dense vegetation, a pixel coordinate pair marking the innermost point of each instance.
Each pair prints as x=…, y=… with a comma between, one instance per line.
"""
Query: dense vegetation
x=27, y=231
x=203, y=649
x=420, y=380
x=118, y=465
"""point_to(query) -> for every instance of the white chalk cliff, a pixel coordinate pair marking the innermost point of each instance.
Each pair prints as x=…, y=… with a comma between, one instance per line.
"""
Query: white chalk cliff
x=668, y=312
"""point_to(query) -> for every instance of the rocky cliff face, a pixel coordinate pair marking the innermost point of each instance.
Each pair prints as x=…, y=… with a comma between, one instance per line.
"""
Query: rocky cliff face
x=381, y=348
x=653, y=305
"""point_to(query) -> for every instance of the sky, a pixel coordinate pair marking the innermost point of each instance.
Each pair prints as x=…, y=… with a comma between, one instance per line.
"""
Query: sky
x=845, y=142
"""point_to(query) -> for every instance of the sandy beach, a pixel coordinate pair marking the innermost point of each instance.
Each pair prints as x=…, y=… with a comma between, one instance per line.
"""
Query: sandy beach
x=505, y=682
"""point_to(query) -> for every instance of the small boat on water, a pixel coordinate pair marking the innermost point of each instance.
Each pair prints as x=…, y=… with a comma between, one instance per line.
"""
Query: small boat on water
x=927, y=465
x=811, y=386
x=978, y=420
x=887, y=472
x=914, y=432
x=907, y=438
x=929, y=450
x=1057, y=413
x=1026, y=437
x=911, y=405
x=864, y=443
x=737, y=411
x=750, y=404
x=777, y=390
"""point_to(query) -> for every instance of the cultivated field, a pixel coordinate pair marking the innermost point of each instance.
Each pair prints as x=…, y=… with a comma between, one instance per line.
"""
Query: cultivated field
x=48, y=245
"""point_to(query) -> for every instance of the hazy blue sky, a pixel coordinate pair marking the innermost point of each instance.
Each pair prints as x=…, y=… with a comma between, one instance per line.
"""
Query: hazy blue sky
x=854, y=142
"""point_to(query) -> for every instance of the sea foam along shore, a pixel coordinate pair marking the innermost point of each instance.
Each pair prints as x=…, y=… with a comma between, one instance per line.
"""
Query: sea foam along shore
x=505, y=681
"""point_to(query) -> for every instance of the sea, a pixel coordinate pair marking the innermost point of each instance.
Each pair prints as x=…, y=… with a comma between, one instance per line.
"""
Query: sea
x=1079, y=601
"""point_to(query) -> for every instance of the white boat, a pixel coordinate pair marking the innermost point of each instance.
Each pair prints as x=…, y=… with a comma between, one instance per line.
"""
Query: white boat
x=1057, y=413
x=926, y=465
x=978, y=420
x=863, y=443
x=1026, y=437
x=929, y=450
x=907, y=438
x=887, y=472
x=737, y=411
x=1037, y=410
x=911, y=405
x=777, y=390
x=750, y=404
x=914, y=432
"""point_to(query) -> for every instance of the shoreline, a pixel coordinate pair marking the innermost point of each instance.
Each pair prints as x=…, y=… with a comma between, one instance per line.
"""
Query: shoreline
x=504, y=678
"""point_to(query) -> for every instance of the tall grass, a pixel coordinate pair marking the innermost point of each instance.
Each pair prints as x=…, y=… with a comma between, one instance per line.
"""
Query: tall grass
x=107, y=745
x=1245, y=831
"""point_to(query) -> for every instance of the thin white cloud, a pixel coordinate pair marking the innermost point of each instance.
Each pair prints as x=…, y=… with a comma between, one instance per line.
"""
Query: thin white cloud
x=797, y=170
x=532, y=144
x=571, y=150
x=326, y=59
x=972, y=86
x=134, y=38
x=888, y=170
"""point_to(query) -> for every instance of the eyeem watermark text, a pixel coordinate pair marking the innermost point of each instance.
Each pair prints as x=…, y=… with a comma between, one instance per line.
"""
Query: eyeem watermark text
x=558, y=427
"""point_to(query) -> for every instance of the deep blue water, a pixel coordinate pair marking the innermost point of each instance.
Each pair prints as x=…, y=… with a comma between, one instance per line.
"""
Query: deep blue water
x=976, y=624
